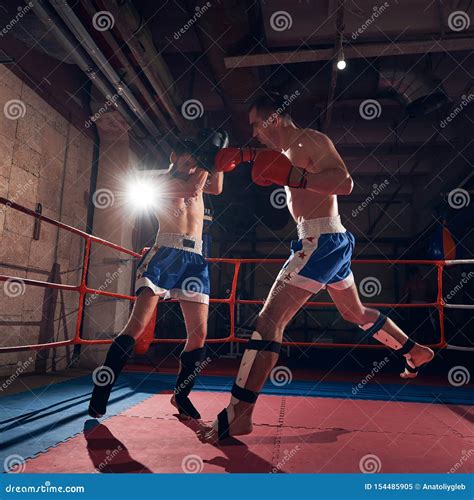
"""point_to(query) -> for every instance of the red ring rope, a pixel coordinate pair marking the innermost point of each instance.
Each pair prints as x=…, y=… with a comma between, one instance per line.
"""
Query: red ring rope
x=83, y=290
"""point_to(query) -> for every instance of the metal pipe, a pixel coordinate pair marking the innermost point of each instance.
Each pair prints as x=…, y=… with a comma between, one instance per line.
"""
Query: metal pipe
x=359, y=51
x=77, y=28
x=141, y=46
x=130, y=70
x=53, y=23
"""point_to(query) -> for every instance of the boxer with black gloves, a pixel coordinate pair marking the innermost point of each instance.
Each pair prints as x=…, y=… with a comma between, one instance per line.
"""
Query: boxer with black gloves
x=173, y=268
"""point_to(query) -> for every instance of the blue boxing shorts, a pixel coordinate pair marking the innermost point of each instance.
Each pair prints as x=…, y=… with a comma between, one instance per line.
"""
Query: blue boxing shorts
x=174, y=268
x=321, y=257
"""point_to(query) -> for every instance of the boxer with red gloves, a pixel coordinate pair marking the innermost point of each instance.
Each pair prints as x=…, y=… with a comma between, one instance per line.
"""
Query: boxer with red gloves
x=307, y=164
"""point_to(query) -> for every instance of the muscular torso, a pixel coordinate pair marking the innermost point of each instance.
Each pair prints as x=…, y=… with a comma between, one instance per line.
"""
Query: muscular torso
x=302, y=203
x=182, y=215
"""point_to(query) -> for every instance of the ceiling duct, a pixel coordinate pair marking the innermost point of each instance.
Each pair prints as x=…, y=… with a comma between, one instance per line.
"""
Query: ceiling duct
x=419, y=90
x=26, y=27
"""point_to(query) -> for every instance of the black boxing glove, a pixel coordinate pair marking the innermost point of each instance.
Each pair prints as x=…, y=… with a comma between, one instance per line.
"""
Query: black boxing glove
x=203, y=147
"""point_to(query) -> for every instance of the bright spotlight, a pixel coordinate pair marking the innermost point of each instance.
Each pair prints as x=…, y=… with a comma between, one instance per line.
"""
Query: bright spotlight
x=341, y=64
x=143, y=195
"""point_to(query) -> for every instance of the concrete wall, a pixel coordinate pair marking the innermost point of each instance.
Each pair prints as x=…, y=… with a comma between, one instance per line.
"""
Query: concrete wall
x=43, y=159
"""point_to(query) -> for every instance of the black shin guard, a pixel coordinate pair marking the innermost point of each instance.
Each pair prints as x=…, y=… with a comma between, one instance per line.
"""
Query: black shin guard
x=106, y=375
x=190, y=369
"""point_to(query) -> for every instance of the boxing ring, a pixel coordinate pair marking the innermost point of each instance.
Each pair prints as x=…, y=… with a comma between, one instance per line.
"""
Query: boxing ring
x=318, y=425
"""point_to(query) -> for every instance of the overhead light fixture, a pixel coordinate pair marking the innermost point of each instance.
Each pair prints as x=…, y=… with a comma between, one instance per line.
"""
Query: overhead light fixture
x=341, y=63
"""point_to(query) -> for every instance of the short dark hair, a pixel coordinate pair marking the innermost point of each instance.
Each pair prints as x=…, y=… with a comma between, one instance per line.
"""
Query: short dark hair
x=271, y=102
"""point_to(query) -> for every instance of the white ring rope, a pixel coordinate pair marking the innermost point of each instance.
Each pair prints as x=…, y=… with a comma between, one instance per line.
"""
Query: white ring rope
x=459, y=348
x=459, y=306
x=458, y=261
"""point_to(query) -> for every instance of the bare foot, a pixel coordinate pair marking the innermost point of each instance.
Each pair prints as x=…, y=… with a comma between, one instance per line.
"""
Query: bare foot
x=240, y=425
x=418, y=356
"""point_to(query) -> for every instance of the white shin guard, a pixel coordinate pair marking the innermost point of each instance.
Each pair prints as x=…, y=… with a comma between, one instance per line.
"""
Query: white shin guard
x=377, y=331
x=239, y=391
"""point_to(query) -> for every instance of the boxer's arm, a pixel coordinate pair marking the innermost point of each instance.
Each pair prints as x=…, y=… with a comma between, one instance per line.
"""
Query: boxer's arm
x=214, y=183
x=189, y=188
x=326, y=172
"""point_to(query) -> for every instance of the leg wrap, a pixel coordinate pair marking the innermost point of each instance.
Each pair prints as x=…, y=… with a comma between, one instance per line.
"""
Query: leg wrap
x=190, y=369
x=249, y=366
x=376, y=330
x=116, y=358
x=254, y=345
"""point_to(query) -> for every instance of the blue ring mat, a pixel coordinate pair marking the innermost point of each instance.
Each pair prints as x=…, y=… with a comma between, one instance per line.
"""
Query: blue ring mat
x=33, y=421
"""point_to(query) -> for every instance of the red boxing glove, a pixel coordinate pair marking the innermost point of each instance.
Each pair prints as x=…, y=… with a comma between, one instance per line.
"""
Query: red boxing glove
x=228, y=158
x=272, y=167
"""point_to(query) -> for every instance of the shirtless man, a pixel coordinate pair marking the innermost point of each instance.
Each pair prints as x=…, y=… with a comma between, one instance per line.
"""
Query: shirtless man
x=173, y=268
x=308, y=165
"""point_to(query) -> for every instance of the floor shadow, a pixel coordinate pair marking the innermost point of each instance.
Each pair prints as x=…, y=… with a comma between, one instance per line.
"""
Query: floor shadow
x=463, y=413
x=238, y=459
x=107, y=453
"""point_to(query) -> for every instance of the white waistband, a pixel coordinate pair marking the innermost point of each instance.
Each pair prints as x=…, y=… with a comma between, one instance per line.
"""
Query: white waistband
x=180, y=241
x=315, y=227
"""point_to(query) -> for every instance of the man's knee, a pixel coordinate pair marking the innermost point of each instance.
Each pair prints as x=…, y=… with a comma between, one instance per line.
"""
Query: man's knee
x=268, y=328
x=197, y=337
x=357, y=315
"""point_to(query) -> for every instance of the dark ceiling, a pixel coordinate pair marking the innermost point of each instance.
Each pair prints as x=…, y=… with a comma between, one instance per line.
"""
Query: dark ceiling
x=414, y=58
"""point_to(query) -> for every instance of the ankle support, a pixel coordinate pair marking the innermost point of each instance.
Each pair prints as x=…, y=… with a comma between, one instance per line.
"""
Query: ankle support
x=190, y=369
x=117, y=356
